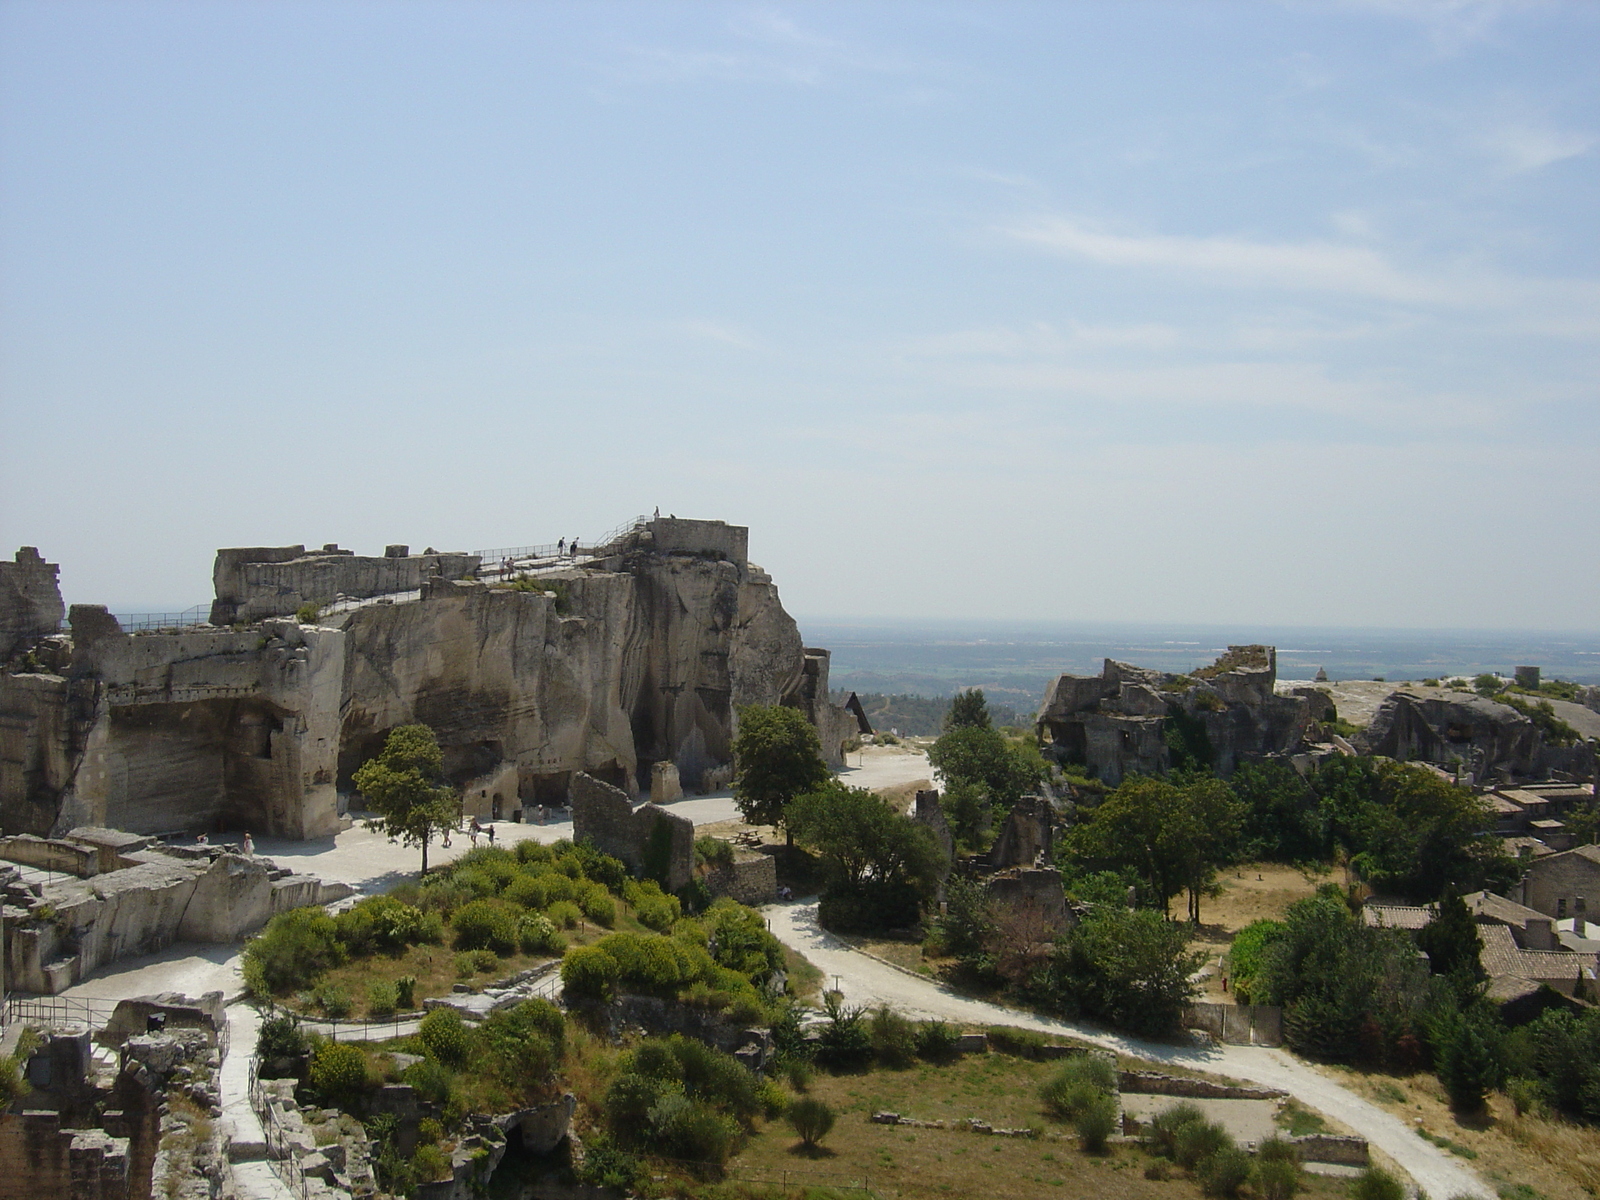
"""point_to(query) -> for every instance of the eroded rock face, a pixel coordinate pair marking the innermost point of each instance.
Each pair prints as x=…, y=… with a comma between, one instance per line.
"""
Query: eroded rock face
x=643, y=655
x=1483, y=738
x=1116, y=723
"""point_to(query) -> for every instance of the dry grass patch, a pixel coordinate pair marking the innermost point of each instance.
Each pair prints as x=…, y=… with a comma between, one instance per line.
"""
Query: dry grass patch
x=1557, y=1159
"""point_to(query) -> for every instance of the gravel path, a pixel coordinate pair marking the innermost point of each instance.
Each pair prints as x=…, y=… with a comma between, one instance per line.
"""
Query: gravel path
x=866, y=980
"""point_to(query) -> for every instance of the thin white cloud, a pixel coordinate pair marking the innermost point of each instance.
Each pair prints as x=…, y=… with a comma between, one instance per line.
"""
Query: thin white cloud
x=1451, y=25
x=1524, y=147
x=717, y=331
x=1310, y=266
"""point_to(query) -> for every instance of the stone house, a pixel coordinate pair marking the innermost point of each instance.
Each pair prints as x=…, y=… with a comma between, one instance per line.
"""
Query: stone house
x=1563, y=885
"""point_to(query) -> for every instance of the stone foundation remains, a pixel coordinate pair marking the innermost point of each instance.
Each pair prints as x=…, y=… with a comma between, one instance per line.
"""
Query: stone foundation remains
x=648, y=839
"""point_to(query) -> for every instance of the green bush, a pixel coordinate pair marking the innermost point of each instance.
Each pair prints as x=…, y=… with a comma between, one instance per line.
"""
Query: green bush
x=537, y=935
x=564, y=913
x=713, y=851
x=405, y=993
x=843, y=1042
x=430, y=1163
x=333, y=1000
x=894, y=1038
x=385, y=924
x=1077, y=1085
x=598, y=905
x=1225, y=1172
x=1527, y=1095
x=1276, y=1178
x=12, y=1084
x=589, y=973
x=811, y=1118
x=381, y=999
x=1197, y=1141
x=1096, y=1123
x=444, y=1035
x=774, y=1100
x=281, y=1037
x=486, y=925
x=338, y=1072
x=1161, y=1135
x=475, y=962
x=430, y=1130
x=294, y=948
x=1376, y=1184
x=681, y=1098
x=430, y=1079
x=936, y=1041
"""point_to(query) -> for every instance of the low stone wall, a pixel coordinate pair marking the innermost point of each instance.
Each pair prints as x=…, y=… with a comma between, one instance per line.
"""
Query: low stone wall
x=1237, y=1024
x=51, y=854
x=605, y=816
x=1332, y=1148
x=1152, y=1083
x=707, y=1025
x=752, y=880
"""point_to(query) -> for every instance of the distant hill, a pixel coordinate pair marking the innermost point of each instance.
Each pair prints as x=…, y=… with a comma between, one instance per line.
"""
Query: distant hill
x=923, y=716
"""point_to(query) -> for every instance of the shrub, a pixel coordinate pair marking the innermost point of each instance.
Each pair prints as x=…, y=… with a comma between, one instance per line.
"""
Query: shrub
x=333, y=1000
x=294, y=948
x=12, y=1084
x=1162, y=1133
x=430, y=1163
x=799, y=1074
x=430, y=1130
x=658, y=912
x=589, y=973
x=280, y=1037
x=475, y=962
x=843, y=1041
x=1376, y=1184
x=598, y=906
x=1077, y=1085
x=1276, y=1149
x=430, y=1079
x=936, y=1041
x=1527, y=1095
x=565, y=914
x=486, y=925
x=1199, y=1140
x=713, y=851
x=308, y=613
x=774, y=1100
x=381, y=999
x=338, y=1072
x=811, y=1118
x=405, y=992
x=1096, y=1123
x=894, y=1037
x=1276, y=1178
x=444, y=1035
x=537, y=935
x=1225, y=1172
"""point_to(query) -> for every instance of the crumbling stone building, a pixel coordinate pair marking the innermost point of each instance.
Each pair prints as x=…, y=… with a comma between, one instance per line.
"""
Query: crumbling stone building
x=641, y=653
x=1116, y=723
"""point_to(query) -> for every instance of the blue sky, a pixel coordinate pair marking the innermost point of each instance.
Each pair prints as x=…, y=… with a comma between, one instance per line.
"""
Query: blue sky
x=1138, y=311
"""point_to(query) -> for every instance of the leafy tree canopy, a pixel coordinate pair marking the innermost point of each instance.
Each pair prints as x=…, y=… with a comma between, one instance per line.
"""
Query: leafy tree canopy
x=982, y=757
x=861, y=839
x=403, y=785
x=968, y=710
x=777, y=756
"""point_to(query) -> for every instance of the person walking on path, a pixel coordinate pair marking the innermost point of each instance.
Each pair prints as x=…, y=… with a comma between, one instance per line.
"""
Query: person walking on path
x=489, y=829
x=561, y=546
x=249, y=845
x=473, y=831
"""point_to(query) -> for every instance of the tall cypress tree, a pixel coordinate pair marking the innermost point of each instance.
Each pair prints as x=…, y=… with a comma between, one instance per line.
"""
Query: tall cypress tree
x=1451, y=940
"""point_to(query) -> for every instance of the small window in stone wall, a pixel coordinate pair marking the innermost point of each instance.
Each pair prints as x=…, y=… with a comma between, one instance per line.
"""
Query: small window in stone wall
x=1561, y=908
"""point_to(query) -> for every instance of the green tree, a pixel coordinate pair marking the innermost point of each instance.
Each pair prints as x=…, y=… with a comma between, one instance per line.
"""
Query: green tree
x=1173, y=832
x=880, y=864
x=777, y=756
x=1130, y=968
x=982, y=757
x=968, y=710
x=1282, y=821
x=1451, y=941
x=969, y=814
x=404, y=784
x=1469, y=1067
x=1245, y=956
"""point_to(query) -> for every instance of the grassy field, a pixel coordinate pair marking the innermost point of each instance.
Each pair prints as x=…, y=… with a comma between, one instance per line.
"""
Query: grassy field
x=896, y=1161
x=1250, y=892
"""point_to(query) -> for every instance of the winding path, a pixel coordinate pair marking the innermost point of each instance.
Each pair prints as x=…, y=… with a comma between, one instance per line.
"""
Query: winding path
x=866, y=980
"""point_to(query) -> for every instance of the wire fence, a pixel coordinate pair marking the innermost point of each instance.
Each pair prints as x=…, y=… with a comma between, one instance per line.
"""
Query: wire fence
x=200, y=614
x=56, y=1010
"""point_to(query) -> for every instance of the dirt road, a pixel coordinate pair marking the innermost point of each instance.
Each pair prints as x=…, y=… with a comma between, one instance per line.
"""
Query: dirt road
x=865, y=980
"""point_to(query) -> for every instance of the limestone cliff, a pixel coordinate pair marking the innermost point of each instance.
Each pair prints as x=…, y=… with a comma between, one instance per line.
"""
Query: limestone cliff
x=642, y=653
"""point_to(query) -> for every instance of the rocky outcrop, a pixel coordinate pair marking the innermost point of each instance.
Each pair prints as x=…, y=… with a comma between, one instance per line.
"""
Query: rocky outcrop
x=641, y=655
x=1485, y=740
x=1118, y=723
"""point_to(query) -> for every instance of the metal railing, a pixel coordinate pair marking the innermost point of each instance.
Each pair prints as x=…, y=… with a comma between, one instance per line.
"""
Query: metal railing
x=200, y=614
x=276, y=1136
x=96, y=1014
x=492, y=560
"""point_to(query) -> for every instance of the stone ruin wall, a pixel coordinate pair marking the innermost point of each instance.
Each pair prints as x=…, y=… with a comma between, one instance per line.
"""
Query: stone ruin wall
x=30, y=601
x=259, y=727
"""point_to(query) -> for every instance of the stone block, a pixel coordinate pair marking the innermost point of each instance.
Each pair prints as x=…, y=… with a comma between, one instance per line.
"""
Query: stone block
x=664, y=783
